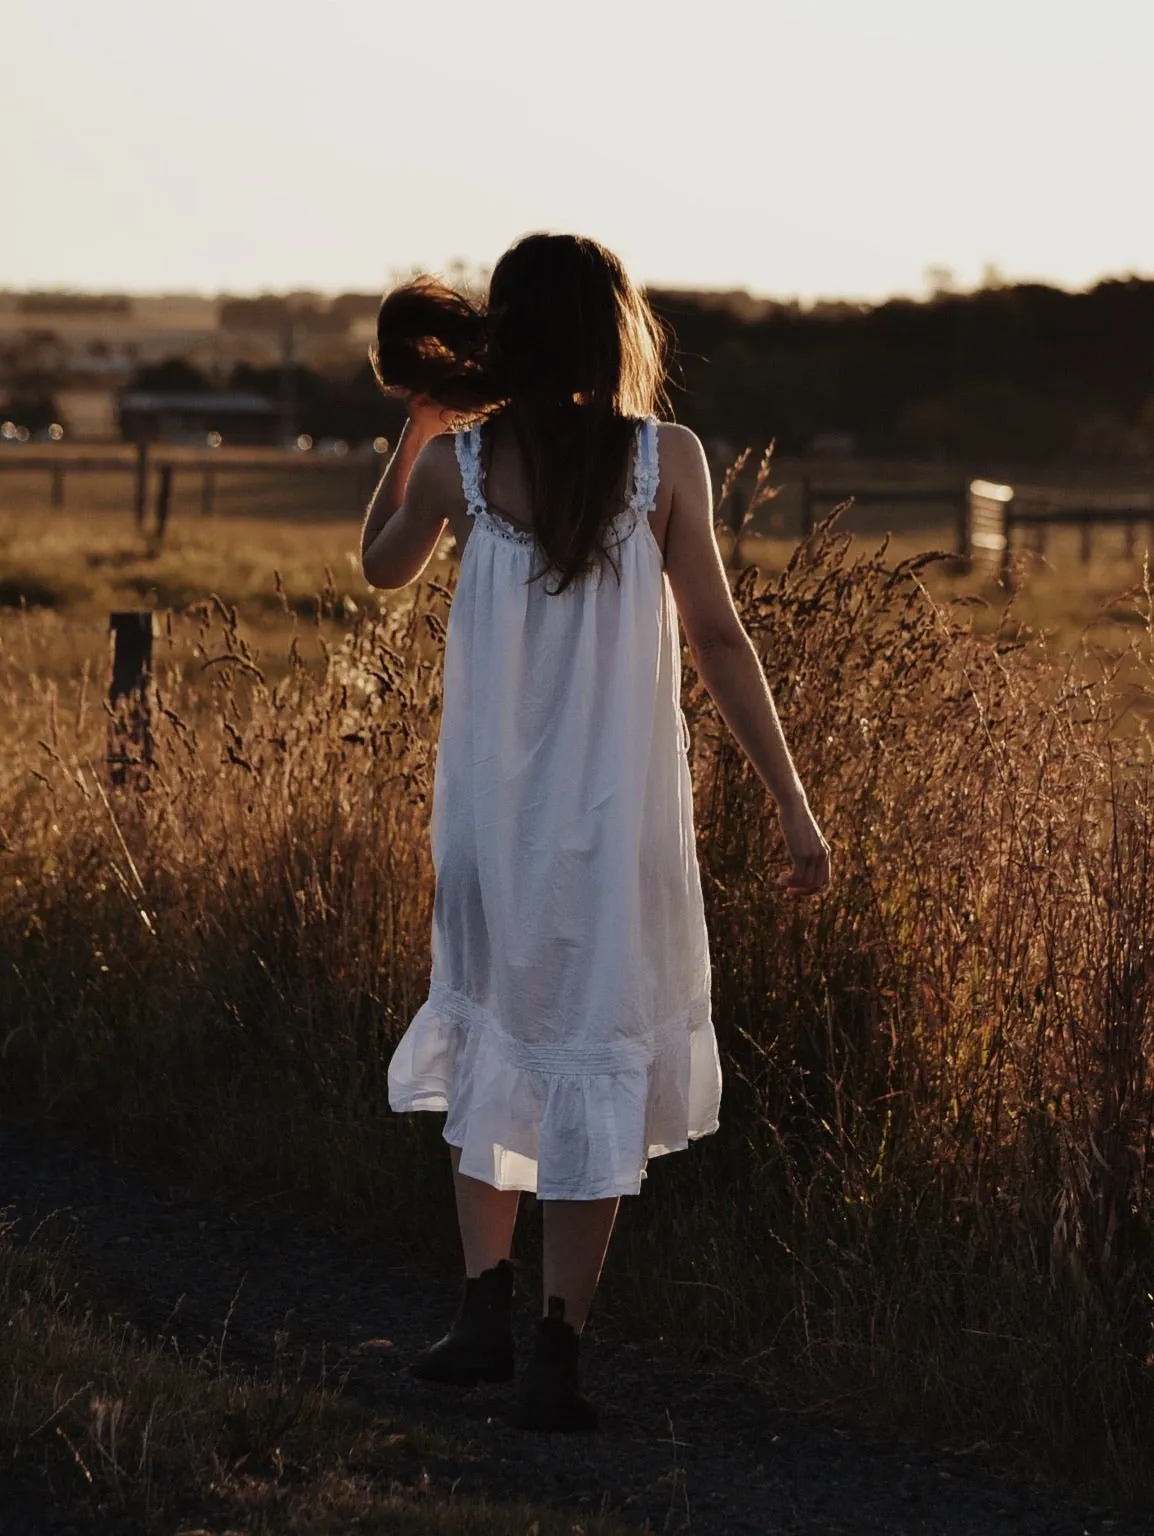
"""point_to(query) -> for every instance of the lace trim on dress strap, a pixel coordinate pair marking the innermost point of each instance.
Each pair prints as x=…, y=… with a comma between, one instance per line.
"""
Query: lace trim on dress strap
x=468, y=448
x=504, y=529
x=643, y=497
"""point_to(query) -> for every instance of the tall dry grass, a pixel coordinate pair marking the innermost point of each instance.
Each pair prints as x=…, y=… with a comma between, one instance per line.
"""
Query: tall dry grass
x=930, y=1200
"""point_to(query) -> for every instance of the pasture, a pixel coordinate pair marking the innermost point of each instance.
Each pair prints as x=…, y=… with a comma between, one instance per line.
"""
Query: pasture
x=930, y=1201
x=62, y=570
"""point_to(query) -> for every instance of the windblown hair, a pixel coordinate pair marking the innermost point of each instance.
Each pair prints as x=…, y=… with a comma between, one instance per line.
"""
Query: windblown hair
x=567, y=350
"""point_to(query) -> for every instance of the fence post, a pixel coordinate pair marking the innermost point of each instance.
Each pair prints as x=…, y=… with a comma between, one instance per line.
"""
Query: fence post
x=163, y=499
x=1130, y=538
x=140, y=501
x=807, y=521
x=1007, y=541
x=1085, y=548
x=57, y=486
x=207, y=492
x=962, y=543
x=130, y=699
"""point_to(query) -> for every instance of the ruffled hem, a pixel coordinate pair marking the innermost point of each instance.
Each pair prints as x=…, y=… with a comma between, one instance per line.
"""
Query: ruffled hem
x=563, y=1123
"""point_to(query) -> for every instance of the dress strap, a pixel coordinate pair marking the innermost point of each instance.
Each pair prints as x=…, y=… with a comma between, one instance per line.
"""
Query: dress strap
x=643, y=496
x=646, y=469
x=468, y=446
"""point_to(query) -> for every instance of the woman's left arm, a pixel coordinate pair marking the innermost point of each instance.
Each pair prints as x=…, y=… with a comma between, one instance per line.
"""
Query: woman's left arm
x=407, y=514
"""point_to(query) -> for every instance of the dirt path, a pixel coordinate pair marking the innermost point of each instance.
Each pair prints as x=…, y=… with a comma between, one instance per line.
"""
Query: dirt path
x=684, y=1450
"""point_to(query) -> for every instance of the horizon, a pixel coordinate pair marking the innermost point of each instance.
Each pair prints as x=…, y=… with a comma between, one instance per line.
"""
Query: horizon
x=784, y=300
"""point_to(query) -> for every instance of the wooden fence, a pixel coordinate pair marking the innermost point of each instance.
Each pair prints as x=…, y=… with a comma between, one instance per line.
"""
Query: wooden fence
x=986, y=515
x=818, y=498
x=150, y=471
x=997, y=512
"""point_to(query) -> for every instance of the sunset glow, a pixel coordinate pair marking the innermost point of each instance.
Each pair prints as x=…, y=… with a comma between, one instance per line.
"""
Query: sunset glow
x=826, y=148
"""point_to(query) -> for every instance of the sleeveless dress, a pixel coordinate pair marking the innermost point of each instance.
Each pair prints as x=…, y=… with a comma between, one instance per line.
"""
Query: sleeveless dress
x=567, y=1032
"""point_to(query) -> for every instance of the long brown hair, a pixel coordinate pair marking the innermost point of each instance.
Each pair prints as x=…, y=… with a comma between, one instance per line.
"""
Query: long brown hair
x=567, y=349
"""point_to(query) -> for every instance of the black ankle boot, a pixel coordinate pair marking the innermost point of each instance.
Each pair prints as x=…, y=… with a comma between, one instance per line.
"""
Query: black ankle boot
x=548, y=1398
x=479, y=1345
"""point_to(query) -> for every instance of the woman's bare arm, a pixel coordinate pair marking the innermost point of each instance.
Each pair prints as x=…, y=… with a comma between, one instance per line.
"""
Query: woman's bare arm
x=407, y=512
x=726, y=660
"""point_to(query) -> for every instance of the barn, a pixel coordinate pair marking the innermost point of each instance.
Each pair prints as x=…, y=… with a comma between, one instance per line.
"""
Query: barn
x=233, y=417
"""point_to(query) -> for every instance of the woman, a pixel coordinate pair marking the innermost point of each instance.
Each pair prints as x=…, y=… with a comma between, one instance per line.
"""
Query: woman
x=567, y=1033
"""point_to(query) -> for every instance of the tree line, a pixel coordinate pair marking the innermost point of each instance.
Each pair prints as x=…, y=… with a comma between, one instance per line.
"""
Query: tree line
x=1021, y=372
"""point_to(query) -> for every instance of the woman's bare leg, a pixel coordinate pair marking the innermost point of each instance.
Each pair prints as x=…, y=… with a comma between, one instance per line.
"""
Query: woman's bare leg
x=486, y=1217
x=577, y=1235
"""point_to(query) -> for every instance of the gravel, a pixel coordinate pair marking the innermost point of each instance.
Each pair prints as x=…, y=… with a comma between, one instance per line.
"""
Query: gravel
x=681, y=1448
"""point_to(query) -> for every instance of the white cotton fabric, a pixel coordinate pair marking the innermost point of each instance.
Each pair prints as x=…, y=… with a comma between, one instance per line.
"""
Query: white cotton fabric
x=567, y=1033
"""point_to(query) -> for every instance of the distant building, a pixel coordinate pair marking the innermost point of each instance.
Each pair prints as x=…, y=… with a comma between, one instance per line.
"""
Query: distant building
x=155, y=417
x=137, y=329
x=123, y=332
x=88, y=412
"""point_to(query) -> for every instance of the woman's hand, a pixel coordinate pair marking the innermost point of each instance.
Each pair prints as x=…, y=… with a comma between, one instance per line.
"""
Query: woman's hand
x=809, y=850
x=428, y=418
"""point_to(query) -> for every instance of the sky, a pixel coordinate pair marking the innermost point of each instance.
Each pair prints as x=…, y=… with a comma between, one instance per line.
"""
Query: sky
x=794, y=148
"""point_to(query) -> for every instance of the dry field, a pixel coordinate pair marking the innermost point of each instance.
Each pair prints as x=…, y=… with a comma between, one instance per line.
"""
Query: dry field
x=931, y=1198
x=62, y=572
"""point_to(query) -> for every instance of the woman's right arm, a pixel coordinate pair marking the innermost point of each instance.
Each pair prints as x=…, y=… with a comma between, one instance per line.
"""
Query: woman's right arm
x=726, y=661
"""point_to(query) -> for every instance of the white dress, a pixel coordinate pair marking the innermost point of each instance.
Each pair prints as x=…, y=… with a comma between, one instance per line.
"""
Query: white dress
x=567, y=1032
